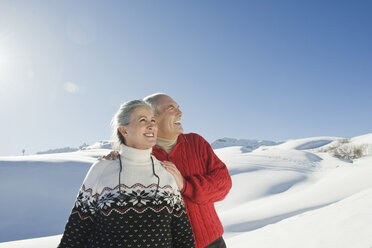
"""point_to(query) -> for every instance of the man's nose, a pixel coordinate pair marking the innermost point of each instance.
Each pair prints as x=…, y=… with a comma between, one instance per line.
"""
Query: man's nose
x=179, y=112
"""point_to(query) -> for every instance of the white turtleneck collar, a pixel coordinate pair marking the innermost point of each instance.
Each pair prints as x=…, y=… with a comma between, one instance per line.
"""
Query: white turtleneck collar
x=135, y=156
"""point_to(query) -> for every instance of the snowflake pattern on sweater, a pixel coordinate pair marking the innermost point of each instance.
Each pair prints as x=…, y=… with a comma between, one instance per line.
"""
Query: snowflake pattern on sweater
x=138, y=215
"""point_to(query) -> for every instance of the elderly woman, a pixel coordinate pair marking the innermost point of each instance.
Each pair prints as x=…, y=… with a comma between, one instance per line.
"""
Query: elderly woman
x=132, y=201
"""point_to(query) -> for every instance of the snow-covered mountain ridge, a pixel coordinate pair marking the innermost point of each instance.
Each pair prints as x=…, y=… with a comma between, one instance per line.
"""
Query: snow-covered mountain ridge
x=248, y=145
x=103, y=144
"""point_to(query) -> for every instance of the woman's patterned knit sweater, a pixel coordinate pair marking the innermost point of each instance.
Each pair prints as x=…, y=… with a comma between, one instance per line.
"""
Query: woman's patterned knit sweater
x=141, y=214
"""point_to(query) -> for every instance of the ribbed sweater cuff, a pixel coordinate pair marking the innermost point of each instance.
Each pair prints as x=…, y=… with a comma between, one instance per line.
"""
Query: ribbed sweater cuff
x=188, y=189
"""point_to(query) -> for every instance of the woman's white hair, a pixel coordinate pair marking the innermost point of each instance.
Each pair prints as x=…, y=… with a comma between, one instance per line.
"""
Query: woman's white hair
x=122, y=118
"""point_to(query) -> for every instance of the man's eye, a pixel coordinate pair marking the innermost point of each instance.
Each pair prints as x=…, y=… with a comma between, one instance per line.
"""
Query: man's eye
x=142, y=120
x=153, y=121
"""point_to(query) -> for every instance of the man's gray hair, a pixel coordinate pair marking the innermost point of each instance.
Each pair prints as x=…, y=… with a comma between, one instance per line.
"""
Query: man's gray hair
x=122, y=118
x=152, y=101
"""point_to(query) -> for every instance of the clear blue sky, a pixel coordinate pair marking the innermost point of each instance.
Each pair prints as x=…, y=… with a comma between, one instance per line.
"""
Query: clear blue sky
x=273, y=70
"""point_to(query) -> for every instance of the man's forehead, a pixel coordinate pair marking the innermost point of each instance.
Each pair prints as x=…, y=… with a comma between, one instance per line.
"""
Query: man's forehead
x=166, y=102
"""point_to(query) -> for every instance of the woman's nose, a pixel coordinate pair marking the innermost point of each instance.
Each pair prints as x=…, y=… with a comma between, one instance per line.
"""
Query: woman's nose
x=151, y=125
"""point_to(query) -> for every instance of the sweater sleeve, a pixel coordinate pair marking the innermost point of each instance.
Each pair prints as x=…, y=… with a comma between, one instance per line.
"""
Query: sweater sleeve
x=182, y=235
x=211, y=186
x=80, y=222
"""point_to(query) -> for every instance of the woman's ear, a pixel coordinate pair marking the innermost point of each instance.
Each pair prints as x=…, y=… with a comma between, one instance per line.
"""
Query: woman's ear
x=123, y=131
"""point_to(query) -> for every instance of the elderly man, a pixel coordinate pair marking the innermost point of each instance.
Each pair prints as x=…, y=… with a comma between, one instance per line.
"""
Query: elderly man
x=200, y=175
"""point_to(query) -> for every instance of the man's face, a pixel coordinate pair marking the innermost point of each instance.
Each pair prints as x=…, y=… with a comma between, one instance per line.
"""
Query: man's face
x=169, y=118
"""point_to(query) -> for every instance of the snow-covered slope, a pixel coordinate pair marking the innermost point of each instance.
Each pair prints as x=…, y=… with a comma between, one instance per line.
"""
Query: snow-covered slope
x=289, y=195
x=347, y=223
x=38, y=192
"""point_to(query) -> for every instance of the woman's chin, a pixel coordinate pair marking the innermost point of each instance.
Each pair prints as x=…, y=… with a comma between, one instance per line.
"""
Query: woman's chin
x=148, y=145
x=152, y=144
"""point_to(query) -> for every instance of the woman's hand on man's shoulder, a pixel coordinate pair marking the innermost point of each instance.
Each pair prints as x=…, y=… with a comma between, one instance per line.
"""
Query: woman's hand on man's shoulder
x=113, y=155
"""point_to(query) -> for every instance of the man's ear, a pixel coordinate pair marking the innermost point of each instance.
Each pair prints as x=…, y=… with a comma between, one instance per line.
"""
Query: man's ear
x=123, y=131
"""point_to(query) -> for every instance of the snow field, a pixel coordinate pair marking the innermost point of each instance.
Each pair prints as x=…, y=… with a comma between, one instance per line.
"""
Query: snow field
x=285, y=195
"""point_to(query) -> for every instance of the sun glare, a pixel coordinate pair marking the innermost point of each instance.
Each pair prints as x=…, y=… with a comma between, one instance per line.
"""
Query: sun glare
x=7, y=59
x=11, y=68
x=5, y=69
x=5, y=64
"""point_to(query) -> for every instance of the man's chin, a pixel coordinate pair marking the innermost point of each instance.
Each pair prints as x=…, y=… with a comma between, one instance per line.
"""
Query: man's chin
x=180, y=130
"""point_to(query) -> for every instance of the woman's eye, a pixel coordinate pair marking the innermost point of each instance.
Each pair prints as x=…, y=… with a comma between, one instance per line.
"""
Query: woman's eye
x=153, y=121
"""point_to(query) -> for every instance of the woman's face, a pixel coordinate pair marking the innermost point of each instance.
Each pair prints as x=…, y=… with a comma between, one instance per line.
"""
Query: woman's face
x=141, y=132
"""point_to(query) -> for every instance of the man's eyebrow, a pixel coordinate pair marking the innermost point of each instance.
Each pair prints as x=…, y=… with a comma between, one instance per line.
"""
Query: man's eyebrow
x=172, y=105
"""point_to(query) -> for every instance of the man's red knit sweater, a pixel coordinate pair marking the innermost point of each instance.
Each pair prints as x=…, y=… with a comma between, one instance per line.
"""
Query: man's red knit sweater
x=207, y=181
